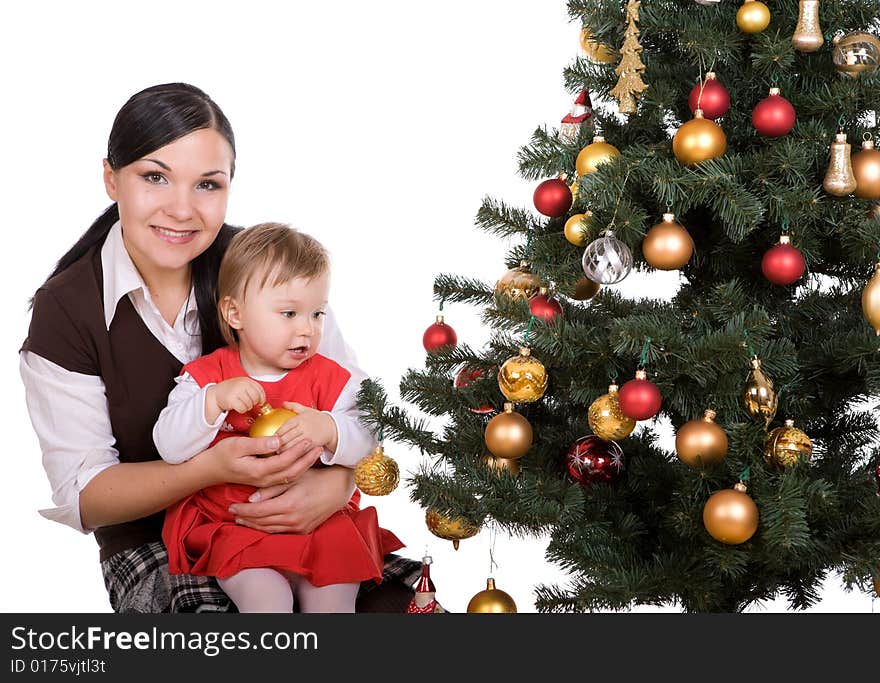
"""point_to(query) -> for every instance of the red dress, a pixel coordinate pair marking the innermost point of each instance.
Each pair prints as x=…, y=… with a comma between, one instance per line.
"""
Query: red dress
x=201, y=535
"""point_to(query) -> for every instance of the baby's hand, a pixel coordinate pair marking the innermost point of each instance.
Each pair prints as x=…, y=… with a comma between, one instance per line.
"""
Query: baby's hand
x=240, y=394
x=310, y=424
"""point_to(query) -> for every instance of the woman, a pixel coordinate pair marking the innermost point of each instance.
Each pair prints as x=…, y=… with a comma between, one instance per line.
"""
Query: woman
x=131, y=302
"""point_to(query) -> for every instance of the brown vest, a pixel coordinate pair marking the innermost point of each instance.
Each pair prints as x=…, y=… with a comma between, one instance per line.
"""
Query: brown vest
x=67, y=327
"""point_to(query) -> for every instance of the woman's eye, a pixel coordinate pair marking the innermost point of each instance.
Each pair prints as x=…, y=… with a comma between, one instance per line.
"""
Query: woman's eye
x=153, y=177
x=209, y=185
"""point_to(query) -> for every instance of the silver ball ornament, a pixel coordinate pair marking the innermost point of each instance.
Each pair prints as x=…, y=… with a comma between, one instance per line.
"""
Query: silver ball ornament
x=607, y=260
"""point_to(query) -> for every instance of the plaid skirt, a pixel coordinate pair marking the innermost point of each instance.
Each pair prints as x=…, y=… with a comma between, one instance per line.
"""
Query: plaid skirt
x=137, y=580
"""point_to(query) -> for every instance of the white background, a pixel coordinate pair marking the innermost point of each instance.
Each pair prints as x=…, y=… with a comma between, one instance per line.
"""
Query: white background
x=375, y=126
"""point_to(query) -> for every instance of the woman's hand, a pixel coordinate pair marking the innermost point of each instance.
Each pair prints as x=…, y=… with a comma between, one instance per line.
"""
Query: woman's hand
x=234, y=460
x=300, y=507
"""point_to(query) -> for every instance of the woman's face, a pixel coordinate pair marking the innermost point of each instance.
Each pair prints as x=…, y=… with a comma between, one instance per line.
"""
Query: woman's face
x=172, y=202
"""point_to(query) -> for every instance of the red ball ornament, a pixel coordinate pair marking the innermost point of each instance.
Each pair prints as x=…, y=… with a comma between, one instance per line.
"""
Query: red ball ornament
x=465, y=378
x=639, y=398
x=591, y=460
x=783, y=264
x=439, y=335
x=714, y=101
x=544, y=307
x=773, y=116
x=553, y=198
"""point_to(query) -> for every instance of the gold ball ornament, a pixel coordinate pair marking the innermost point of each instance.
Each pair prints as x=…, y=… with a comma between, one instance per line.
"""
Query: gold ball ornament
x=585, y=289
x=730, y=515
x=699, y=443
x=577, y=229
x=491, y=601
x=866, y=169
x=698, y=140
x=269, y=421
x=605, y=418
x=377, y=474
x=499, y=465
x=523, y=378
x=595, y=154
x=855, y=53
x=871, y=300
x=596, y=51
x=759, y=397
x=667, y=246
x=508, y=435
x=454, y=530
x=786, y=445
x=753, y=16
x=519, y=283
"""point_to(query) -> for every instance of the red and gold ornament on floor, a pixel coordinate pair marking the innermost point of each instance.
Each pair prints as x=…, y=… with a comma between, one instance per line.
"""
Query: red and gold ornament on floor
x=545, y=306
x=774, y=116
x=710, y=96
x=783, y=264
x=591, y=460
x=553, y=197
x=866, y=169
x=667, y=245
x=730, y=515
x=701, y=443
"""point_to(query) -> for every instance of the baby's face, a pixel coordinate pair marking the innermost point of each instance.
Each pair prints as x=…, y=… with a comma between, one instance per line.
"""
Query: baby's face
x=282, y=325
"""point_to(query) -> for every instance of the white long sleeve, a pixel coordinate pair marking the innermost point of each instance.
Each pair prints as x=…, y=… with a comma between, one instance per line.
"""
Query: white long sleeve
x=181, y=430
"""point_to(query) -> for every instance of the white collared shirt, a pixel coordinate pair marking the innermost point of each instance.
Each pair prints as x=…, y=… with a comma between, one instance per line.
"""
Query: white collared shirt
x=69, y=410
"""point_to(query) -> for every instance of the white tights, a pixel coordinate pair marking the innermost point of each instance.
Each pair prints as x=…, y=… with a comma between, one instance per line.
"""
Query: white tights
x=268, y=590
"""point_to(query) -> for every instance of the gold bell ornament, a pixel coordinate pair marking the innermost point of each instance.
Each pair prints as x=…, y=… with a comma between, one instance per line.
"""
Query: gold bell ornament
x=454, y=530
x=855, y=53
x=759, y=397
x=377, y=474
x=699, y=443
x=839, y=178
x=519, y=283
x=598, y=152
x=269, y=421
x=866, y=169
x=523, y=378
x=508, y=435
x=606, y=419
x=786, y=445
x=753, y=16
x=667, y=245
x=808, y=34
x=698, y=140
x=491, y=601
x=871, y=300
x=577, y=228
x=596, y=51
x=730, y=515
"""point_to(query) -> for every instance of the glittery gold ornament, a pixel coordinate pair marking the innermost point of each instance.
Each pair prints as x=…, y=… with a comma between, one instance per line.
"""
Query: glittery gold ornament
x=839, y=179
x=871, y=300
x=519, y=283
x=730, y=515
x=866, y=169
x=759, y=396
x=269, y=421
x=577, y=228
x=499, y=465
x=596, y=51
x=699, y=443
x=523, y=378
x=667, y=245
x=630, y=85
x=698, y=140
x=786, y=445
x=454, y=530
x=855, y=53
x=753, y=16
x=808, y=34
x=593, y=155
x=508, y=435
x=491, y=601
x=585, y=289
x=605, y=418
x=377, y=474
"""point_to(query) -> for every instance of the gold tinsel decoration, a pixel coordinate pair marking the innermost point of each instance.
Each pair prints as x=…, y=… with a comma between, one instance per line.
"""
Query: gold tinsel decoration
x=630, y=85
x=377, y=474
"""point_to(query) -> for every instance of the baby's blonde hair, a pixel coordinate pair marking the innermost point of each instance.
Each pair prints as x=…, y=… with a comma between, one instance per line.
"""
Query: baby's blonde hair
x=274, y=251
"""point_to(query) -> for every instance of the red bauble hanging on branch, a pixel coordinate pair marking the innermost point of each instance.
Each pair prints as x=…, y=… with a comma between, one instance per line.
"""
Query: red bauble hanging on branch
x=639, y=399
x=544, y=306
x=714, y=100
x=773, y=116
x=783, y=264
x=591, y=460
x=553, y=198
x=438, y=336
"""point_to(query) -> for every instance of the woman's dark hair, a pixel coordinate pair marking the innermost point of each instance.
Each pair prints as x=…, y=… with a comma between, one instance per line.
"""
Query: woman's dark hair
x=151, y=119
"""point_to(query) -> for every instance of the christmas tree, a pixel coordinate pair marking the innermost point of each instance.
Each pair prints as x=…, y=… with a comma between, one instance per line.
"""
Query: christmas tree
x=763, y=362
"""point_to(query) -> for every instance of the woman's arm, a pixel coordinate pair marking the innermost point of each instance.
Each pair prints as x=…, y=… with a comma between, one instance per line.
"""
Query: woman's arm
x=182, y=430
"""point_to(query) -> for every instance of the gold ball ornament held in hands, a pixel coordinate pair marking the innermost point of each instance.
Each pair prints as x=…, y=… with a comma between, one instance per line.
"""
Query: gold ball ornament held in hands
x=491, y=601
x=508, y=435
x=377, y=474
x=454, y=530
x=787, y=445
x=730, y=515
x=523, y=378
x=269, y=421
x=699, y=443
x=605, y=418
